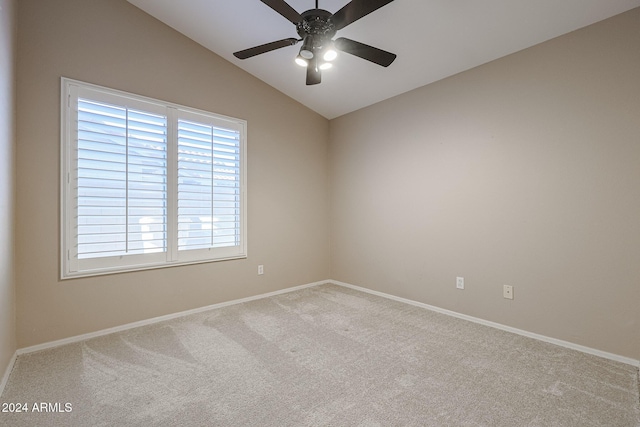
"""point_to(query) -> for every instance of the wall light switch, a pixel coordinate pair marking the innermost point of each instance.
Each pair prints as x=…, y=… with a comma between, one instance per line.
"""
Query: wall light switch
x=460, y=282
x=260, y=269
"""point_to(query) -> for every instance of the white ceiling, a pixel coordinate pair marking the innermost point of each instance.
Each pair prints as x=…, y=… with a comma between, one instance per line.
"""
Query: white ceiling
x=433, y=39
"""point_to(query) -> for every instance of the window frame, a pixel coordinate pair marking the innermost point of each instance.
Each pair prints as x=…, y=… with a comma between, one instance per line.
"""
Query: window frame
x=70, y=265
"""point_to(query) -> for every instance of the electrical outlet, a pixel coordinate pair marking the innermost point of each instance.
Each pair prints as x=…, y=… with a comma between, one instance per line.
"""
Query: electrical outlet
x=507, y=291
x=260, y=269
x=460, y=282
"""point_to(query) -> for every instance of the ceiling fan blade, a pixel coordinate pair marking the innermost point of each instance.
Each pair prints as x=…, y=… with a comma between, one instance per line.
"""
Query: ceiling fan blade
x=364, y=51
x=284, y=9
x=264, y=48
x=355, y=10
x=314, y=75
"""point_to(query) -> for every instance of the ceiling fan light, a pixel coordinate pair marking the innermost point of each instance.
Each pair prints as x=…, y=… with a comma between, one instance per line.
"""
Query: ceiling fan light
x=325, y=65
x=301, y=61
x=330, y=54
x=306, y=51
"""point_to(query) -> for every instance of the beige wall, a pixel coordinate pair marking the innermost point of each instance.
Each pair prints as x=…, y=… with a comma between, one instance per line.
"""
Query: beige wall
x=524, y=171
x=7, y=137
x=114, y=44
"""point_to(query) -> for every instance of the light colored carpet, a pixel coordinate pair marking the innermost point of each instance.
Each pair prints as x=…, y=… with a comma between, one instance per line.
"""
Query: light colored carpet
x=322, y=356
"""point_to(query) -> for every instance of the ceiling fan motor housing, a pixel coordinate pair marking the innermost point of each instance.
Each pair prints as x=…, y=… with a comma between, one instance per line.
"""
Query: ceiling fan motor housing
x=316, y=28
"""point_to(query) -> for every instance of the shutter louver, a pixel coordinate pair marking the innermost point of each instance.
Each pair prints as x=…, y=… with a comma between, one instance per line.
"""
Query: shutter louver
x=121, y=181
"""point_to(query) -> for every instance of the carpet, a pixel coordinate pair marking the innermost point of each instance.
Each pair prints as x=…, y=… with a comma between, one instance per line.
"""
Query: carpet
x=321, y=356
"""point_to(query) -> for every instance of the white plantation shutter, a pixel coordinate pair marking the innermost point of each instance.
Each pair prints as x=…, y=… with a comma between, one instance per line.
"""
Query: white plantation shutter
x=121, y=181
x=208, y=186
x=148, y=184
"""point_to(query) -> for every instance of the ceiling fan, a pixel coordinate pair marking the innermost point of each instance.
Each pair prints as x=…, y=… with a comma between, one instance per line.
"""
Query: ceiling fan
x=316, y=28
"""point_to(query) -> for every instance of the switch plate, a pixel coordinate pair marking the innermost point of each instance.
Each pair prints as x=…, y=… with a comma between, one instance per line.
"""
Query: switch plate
x=460, y=282
x=507, y=291
x=260, y=269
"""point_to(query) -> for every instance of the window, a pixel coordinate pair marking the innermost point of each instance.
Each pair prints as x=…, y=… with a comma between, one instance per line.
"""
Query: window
x=147, y=184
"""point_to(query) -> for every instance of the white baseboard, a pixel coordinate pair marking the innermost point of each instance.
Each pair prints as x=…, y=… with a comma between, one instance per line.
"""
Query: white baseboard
x=561, y=343
x=78, y=338
x=7, y=372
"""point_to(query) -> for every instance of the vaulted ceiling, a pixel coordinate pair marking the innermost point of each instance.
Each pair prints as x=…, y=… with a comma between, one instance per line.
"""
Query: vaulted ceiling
x=433, y=39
